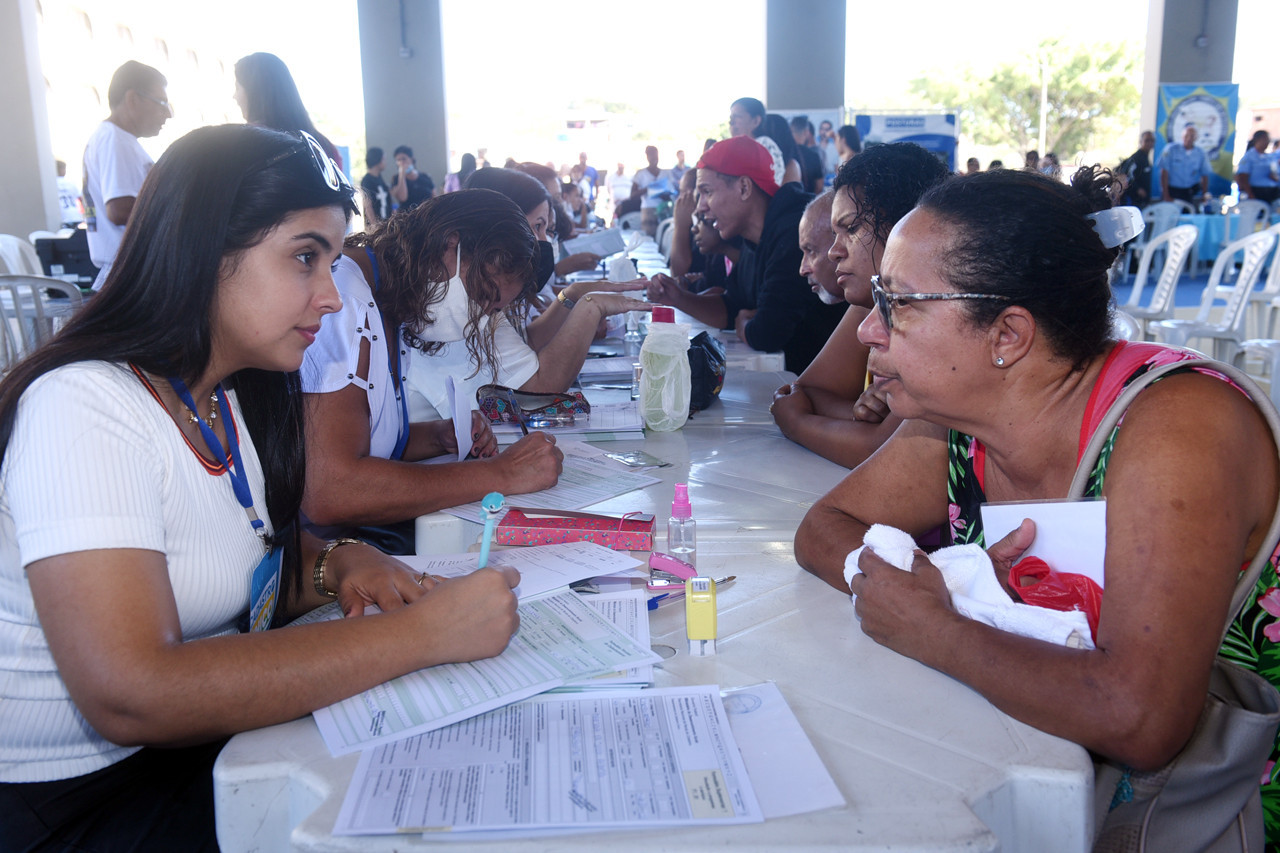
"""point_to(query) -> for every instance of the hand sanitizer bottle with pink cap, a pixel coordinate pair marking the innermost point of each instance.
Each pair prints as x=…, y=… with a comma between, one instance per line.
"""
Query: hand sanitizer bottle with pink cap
x=682, y=531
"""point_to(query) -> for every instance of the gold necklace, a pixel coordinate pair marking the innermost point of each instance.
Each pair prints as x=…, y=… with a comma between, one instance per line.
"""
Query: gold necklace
x=192, y=417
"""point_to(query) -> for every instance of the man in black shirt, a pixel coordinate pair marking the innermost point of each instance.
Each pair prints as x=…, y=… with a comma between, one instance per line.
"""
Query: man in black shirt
x=377, y=198
x=770, y=305
x=1137, y=171
x=811, y=170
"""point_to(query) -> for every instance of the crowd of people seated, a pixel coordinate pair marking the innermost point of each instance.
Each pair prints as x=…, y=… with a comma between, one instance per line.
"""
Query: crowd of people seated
x=226, y=436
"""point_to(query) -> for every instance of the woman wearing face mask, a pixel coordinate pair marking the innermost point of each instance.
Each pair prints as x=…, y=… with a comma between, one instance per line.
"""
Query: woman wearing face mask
x=556, y=341
x=437, y=285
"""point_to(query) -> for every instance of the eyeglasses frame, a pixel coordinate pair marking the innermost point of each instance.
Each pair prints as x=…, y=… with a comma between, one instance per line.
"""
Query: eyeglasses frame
x=880, y=298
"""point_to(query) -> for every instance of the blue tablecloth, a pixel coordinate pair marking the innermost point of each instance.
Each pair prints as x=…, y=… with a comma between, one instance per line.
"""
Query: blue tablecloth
x=1211, y=228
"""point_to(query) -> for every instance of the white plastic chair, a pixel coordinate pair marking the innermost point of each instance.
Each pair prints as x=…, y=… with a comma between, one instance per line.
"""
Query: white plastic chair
x=1159, y=218
x=1250, y=215
x=1226, y=331
x=1265, y=301
x=1175, y=244
x=1184, y=206
x=30, y=314
x=18, y=256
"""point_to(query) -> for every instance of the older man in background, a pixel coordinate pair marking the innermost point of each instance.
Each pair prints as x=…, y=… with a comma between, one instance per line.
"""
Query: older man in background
x=115, y=163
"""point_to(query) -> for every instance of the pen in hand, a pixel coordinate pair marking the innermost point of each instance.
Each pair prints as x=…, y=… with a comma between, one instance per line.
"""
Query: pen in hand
x=492, y=504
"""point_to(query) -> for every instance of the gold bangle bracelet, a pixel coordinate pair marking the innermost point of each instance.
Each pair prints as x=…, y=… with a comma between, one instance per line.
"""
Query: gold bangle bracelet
x=317, y=574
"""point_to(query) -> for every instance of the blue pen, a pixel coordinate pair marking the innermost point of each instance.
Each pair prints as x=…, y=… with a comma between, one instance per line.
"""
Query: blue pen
x=653, y=602
x=492, y=503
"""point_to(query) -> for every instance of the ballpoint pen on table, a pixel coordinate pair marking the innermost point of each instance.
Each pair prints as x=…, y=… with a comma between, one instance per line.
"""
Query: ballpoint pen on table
x=678, y=591
x=492, y=503
x=518, y=415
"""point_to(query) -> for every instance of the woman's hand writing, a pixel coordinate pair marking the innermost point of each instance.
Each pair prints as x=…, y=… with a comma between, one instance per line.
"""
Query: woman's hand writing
x=531, y=464
x=471, y=617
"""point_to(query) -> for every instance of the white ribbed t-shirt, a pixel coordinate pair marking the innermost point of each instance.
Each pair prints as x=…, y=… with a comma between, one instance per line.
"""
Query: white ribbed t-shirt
x=94, y=462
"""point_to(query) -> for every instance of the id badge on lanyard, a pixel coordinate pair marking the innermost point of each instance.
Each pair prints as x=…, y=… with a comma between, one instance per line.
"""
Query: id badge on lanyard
x=264, y=588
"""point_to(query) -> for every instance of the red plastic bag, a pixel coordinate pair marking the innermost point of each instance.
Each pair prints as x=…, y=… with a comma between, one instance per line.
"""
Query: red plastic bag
x=1063, y=591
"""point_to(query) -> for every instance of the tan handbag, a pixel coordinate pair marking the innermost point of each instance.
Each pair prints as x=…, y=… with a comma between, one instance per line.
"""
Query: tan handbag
x=1206, y=798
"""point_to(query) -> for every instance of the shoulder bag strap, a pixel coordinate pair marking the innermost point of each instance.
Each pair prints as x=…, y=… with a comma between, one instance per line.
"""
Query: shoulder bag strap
x=1089, y=458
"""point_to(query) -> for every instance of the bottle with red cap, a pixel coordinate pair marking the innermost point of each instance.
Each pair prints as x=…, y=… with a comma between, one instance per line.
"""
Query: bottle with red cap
x=665, y=383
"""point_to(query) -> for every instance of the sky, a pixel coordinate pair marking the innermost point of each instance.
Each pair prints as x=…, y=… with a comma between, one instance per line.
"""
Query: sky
x=515, y=69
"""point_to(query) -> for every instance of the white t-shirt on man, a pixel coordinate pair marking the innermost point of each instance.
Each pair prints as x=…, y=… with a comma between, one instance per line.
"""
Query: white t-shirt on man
x=115, y=165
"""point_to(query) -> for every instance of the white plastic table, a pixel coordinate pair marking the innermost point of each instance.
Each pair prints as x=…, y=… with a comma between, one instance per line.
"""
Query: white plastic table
x=924, y=762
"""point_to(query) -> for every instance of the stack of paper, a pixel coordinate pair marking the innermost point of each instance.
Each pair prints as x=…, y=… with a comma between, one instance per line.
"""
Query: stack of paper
x=560, y=640
x=670, y=757
x=650, y=759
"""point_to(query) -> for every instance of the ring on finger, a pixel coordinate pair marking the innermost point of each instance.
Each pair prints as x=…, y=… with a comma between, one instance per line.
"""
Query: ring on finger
x=421, y=578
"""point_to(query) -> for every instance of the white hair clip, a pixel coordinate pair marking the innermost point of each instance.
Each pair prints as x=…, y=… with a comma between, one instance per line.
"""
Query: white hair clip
x=1118, y=225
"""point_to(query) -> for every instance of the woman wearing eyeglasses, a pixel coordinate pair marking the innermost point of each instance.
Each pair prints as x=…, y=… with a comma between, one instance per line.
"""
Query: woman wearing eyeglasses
x=152, y=469
x=991, y=333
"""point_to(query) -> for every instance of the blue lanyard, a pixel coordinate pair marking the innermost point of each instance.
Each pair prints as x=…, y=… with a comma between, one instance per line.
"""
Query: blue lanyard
x=239, y=476
x=402, y=438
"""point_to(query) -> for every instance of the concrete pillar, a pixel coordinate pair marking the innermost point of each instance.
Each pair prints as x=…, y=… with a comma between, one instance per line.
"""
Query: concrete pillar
x=28, y=180
x=1188, y=41
x=403, y=69
x=804, y=55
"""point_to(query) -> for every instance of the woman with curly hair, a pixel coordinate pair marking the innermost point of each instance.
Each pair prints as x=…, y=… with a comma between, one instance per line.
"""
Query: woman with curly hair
x=441, y=280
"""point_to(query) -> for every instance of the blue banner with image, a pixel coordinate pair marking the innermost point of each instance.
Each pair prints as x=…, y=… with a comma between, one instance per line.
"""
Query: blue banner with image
x=1209, y=107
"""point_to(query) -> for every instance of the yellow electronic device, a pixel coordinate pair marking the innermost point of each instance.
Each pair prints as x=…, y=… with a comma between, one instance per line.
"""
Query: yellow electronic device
x=700, y=615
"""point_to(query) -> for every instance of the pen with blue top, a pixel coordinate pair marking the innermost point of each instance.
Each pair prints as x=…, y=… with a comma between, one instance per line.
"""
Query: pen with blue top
x=492, y=503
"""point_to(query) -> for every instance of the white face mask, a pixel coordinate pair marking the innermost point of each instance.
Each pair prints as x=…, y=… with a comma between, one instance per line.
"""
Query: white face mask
x=451, y=313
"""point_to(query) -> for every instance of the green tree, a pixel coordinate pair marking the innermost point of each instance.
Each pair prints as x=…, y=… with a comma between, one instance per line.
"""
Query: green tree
x=1088, y=92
